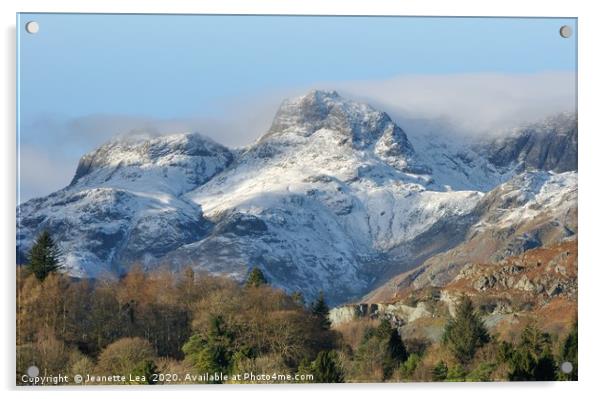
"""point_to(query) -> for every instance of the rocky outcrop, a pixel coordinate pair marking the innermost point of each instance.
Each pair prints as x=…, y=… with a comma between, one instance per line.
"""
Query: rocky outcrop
x=347, y=313
x=549, y=145
x=398, y=313
x=507, y=294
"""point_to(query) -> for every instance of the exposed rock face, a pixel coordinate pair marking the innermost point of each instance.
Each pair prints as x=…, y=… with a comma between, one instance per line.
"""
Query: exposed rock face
x=540, y=284
x=332, y=198
x=551, y=145
x=359, y=125
x=399, y=314
x=362, y=124
x=346, y=313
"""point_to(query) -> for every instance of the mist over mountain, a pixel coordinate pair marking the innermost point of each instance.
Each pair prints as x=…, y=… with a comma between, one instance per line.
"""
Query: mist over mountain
x=334, y=197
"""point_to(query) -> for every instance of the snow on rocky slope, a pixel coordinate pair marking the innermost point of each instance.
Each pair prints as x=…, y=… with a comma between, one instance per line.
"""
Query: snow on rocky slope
x=337, y=187
x=124, y=204
x=333, y=197
x=533, y=209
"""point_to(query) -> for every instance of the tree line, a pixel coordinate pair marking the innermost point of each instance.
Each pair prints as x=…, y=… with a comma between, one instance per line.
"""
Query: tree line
x=188, y=322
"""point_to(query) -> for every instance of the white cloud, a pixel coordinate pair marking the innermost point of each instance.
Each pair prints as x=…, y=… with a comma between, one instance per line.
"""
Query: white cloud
x=474, y=103
x=482, y=103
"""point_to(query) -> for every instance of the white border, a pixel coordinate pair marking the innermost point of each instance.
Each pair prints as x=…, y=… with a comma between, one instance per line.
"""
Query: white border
x=590, y=146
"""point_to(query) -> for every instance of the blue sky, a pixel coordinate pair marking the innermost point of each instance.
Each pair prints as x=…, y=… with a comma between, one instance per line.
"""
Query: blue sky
x=84, y=78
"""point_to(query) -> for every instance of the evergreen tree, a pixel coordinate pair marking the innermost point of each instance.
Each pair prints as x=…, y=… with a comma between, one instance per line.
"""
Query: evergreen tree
x=146, y=369
x=381, y=349
x=256, y=278
x=568, y=353
x=456, y=373
x=408, y=367
x=439, y=372
x=390, y=335
x=532, y=360
x=395, y=350
x=327, y=369
x=465, y=333
x=305, y=366
x=211, y=353
x=44, y=256
x=320, y=309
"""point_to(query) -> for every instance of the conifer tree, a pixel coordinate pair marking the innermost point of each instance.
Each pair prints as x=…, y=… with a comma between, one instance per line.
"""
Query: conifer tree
x=256, y=278
x=320, y=309
x=568, y=353
x=532, y=359
x=382, y=346
x=396, y=352
x=327, y=369
x=465, y=333
x=146, y=369
x=212, y=352
x=44, y=256
x=439, y=372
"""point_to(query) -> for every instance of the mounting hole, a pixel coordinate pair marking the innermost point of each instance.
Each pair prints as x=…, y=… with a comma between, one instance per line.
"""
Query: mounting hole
x=32, y=27
x=566, y=367
x=33, y=371
x=566, y=31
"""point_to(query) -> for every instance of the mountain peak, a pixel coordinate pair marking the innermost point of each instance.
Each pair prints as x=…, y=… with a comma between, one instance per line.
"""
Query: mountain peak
x=151, y=153
x=367, y=127
x=326, y=109
x=314, y=99
x=322, y=95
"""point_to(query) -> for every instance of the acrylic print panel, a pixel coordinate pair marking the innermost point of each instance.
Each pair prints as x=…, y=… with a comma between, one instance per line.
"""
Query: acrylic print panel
x=295, y=199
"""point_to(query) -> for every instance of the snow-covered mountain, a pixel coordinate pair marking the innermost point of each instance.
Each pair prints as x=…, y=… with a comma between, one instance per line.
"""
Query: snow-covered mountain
x=333, y=197
x=125, y=203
